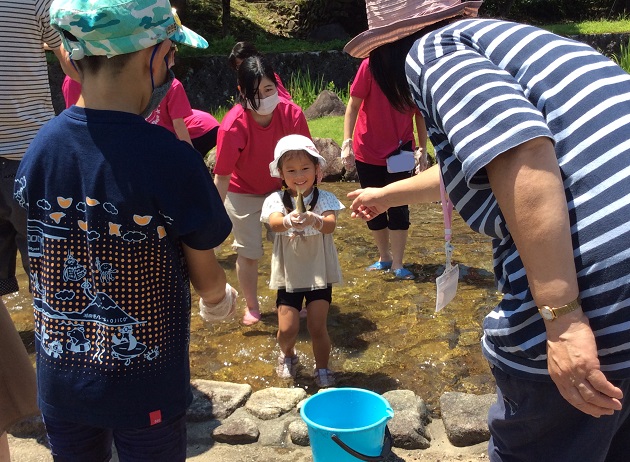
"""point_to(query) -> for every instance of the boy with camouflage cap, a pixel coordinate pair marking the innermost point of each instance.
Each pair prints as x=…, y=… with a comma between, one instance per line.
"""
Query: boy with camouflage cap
x=121, y=218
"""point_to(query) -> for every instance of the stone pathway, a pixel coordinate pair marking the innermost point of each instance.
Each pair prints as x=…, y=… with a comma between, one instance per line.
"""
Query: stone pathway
x=266, y=424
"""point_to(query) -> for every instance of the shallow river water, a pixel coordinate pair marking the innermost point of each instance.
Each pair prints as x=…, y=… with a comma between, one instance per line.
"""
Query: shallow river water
x=385, y=333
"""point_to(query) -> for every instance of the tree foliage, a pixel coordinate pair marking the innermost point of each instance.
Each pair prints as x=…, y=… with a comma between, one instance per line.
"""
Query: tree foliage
x=552, y=11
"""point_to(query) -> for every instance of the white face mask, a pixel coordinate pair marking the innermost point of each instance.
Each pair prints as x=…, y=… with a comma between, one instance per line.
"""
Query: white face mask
x=266, y=105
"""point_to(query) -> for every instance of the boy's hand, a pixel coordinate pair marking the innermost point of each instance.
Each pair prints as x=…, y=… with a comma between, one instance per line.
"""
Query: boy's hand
x=221, y=311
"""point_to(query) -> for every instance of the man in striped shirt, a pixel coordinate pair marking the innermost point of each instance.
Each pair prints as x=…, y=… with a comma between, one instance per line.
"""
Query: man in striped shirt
x=25, y=105
x=531, y=135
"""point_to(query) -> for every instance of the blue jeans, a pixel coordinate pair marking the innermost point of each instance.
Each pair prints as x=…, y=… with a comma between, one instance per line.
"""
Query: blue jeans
x=73, y=442
x=12, y=228
x=531, y=421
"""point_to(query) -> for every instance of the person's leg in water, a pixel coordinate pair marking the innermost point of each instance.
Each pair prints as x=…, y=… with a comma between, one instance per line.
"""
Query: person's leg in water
x=318, y=305
x=288, y=329
x=398, y=240
x=381, y=238
x=247, y=274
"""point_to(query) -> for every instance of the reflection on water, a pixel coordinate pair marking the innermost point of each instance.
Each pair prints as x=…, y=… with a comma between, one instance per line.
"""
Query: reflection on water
x=384, y=332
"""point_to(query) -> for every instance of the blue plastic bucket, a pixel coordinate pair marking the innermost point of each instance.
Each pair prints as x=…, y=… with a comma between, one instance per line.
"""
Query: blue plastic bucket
x=347, y=425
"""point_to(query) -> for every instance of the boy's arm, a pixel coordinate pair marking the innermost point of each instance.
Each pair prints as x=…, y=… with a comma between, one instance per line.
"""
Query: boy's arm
x=181, y=130
x=217, y=297
x=206, y=275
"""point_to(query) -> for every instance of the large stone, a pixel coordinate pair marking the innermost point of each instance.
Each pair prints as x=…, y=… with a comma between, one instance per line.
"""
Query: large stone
x=272, y=402
x=239, y=428
x=298, y=432
x=465, y=417
x=408, y=427
x=216, y=400
x=327, y=103
x=330, y=151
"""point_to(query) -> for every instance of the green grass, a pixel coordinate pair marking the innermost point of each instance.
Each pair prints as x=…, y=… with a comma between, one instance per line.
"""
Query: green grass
x=590, y=27
x=327, y=127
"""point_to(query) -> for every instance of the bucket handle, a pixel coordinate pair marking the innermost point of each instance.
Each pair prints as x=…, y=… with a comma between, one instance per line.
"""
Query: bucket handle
x=387, y=448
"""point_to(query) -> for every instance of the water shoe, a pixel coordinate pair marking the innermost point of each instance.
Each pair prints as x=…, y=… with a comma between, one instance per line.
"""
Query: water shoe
x=379, y=266
x=287, y=366
x=324, y=378
x=404, y=273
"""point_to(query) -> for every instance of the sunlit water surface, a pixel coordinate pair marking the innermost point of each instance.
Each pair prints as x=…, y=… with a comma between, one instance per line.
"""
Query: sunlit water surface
x=385, y=332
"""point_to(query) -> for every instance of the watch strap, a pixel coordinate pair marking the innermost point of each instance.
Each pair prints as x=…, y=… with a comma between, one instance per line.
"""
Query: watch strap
x=564, y=309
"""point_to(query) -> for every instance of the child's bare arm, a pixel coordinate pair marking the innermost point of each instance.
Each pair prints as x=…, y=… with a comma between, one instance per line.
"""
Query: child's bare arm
x=206, y=275
x=276, y=222
x=217, y=297
x=181, y=130
x=330, y=222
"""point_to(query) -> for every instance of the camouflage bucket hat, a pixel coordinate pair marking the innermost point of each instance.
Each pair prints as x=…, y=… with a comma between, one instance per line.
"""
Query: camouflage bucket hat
x=117, y=27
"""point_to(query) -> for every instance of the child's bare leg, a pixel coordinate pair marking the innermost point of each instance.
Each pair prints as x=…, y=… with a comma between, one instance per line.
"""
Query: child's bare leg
x=316, y=323
x=288, y=328
x=247, y=274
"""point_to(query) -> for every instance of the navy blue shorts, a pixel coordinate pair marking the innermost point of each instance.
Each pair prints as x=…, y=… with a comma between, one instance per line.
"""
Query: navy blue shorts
x=377, y=176
x=531, y=421
x=296, y=299
x=73, y=442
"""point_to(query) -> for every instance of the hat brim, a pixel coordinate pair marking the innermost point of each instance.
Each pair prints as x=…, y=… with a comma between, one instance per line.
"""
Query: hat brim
x=273, y=165
x=188, y=37
x=361, y=45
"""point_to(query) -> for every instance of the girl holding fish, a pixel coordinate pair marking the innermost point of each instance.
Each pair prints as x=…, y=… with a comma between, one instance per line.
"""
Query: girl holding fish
x=304, y=263
x=247, y=136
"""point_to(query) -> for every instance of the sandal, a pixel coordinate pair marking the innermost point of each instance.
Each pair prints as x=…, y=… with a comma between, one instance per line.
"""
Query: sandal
x=404, y=273
x=251, y=317
x=379, y=266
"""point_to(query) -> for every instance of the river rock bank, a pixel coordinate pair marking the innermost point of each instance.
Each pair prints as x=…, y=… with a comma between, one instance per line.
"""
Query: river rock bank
x=230, y=414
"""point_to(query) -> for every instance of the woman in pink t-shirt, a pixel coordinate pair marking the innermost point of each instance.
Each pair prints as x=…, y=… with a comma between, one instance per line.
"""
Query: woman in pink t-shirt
x=243, y=50
x=373, y=130
x=247, y=137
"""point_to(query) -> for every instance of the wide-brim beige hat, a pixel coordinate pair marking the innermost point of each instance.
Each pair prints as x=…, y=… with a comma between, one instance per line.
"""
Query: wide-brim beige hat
x=391, y=20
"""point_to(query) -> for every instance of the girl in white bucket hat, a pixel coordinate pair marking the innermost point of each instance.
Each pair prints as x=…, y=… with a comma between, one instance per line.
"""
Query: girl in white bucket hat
x=304, y=263
x=531, y=138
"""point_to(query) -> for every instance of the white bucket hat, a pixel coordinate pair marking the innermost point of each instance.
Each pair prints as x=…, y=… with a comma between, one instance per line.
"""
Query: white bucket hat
x=293, y=143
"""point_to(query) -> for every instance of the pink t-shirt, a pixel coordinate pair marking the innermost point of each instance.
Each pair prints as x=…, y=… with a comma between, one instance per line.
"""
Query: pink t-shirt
x=71, y=91
x=175, y=105
x=199, y=123
x=245, y=149
x=282, y=92
x=380, y=128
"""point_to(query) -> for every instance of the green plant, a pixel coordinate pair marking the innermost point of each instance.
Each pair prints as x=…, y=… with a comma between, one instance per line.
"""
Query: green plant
x=623, y=60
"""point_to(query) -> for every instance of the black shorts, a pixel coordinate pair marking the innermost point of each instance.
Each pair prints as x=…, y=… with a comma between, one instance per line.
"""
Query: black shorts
x=377, y=176
x=296, y=299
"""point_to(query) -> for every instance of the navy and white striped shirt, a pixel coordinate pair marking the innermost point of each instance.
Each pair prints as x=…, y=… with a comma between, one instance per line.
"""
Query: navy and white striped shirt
x=25, y=103
x=485, y=86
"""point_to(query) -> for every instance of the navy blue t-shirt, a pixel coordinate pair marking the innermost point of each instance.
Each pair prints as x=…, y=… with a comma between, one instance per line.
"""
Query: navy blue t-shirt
x=110, y=199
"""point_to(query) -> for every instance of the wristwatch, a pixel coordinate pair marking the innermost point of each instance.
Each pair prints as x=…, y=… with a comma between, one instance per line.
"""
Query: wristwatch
x=549, y=313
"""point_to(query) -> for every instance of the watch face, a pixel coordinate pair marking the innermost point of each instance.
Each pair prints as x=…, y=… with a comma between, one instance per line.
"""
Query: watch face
x=546, y=313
